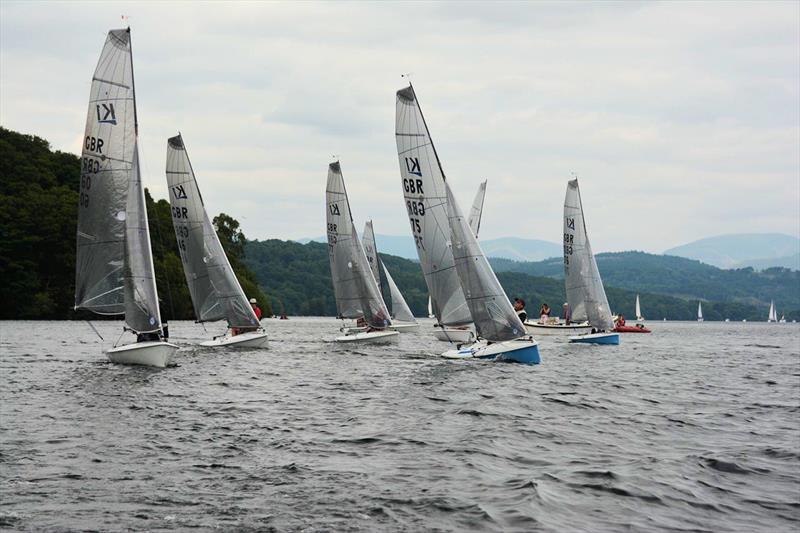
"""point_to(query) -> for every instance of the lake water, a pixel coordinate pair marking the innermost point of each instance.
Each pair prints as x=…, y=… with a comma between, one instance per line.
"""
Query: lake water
x=695, y=427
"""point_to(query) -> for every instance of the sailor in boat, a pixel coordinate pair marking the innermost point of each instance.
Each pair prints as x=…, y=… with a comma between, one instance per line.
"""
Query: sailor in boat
x=257, y=311
x=519, y=307
x=620, y=322
x=566, y=314
x=544, y=313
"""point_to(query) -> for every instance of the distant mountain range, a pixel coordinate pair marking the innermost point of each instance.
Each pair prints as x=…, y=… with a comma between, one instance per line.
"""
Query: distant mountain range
x=757, y=250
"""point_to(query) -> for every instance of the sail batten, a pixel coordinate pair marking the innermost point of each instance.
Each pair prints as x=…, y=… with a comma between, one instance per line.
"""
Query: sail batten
x=423, y=183
x=585, y=293
x=215, y=291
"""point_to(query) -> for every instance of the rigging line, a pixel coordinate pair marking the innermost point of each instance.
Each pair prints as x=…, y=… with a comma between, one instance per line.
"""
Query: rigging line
x=95, y=330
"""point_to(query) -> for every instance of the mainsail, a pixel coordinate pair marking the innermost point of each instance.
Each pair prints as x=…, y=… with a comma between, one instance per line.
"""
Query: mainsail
x=371, y=251
x=215, y=291
x=491, y=311
x=773, y=315
x=425, y=198
x=114, y=263
x=476, y=212
x=355, y=289
x=585, y=292
x=399, y=309
x=699, y=311
x=638, y=309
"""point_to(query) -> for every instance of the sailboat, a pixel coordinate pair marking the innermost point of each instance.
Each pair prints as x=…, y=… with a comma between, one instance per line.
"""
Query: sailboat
x=114, y=271
x=475, y=215
x=773, y=315
x=585, y=293
x=357, y=294
x=403, y=319
x=639, y=317
x=699, y=311
x=425, y=199
x=501, y=334
x=215, y=291
x=638, y=327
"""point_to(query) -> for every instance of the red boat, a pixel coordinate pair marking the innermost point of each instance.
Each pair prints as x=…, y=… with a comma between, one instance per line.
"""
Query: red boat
x=638, y=328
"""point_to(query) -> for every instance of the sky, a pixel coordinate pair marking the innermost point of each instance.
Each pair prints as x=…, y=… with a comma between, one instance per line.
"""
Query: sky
x=681, y=119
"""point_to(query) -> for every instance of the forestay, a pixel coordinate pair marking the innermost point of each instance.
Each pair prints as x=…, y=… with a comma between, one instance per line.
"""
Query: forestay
x=476, y=212
x=423, y=184
x=585, y=292
x=491, y=311
x=353, y=284
x=400, y=310
x=215, y=291
x=107, y=159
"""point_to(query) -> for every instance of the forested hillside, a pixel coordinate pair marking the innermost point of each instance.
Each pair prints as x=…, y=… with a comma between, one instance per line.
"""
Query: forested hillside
x=38, y=217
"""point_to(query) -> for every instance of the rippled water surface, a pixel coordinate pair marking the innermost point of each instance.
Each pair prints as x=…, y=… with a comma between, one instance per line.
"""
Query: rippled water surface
x=693, y=428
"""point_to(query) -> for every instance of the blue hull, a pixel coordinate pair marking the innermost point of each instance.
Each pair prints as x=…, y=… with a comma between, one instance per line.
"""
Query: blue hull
x=529, y=355
x=604, y=338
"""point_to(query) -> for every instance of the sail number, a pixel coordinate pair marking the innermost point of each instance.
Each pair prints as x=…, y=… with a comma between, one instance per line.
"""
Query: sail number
x=567, y=247
x=412, y=185
x=415, y=208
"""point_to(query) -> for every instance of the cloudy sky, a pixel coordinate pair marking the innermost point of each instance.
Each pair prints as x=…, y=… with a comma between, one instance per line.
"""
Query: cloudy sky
x=682, y=120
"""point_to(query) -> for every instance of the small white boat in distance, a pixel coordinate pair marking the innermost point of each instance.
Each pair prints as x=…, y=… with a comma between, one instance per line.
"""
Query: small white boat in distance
x=773, y=315
x=639, y=317
x=114, y=261
x=585, y=292
x=699, y=311
x=356, y=291
x=215, y=291
x=556, y=327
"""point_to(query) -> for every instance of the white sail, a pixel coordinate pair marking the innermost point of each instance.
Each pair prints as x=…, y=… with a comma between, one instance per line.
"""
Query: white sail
x=400, y=310
x=638, y=309
x=491, y=311
x=215, y=291
x=114, y=263
x=425, y=198
x=585, y=293
x=773, y=315
x=476, y=212
x=354, y=286
x=430, y=308
x=699, y=311
x=371, y=251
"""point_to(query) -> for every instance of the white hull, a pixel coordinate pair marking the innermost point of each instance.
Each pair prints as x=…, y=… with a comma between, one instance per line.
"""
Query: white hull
x=604, y=337
x=151, y=353
x=251, y=339
x=524, y=350
x=537, y=328
x=454, y=335
x=374, y=337
x=404, y=327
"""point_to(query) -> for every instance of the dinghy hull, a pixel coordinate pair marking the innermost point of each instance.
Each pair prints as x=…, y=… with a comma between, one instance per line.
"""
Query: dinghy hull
x=638, y=328
x=596, y=338
x=537, y=328
x=408, y=327
x=524, y=350
x=251, y=339
x=454, y=335
x=151, y=353
x=372, y=337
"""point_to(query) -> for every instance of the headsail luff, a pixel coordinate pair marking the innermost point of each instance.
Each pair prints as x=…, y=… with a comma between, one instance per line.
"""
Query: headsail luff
x=489, y=307
x=213, y=286
x=423, y=184
x=585, y=292
x=476, y=212
x=354, y=287
x=400, y=310
x=371, y=251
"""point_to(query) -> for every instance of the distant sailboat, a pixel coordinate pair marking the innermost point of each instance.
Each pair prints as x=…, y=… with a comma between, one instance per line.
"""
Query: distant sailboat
x=585, y=293
x=357, y=294
x=699, y=311
x=114, y=263
x=772, y=316
x=425, y=200
x=402, y=318
x=216, y=293
x=639, y=317
x=501, y=333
